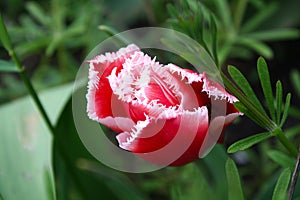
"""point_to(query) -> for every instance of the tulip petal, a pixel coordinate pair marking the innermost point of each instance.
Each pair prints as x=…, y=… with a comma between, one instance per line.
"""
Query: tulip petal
x=172, y=142
x=100, y=96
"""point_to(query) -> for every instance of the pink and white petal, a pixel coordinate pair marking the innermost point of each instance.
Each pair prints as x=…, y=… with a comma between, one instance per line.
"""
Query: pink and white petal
x=168, y=142
x=99, y=91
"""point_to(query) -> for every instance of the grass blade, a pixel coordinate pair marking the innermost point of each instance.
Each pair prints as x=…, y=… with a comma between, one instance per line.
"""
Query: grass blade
x=271, y=35
x=278, y=101
x=235, y=191
x=244, y=85
x=265, y=81
x=280, y=191
x=248, y=142
x=286, y=109
x=4, y=35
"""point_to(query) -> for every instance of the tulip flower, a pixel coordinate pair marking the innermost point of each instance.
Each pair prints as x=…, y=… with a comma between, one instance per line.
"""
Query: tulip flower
x=163, y=113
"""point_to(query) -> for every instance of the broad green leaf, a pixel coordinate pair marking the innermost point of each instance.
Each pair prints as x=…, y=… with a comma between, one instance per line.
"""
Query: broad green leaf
x=265, y=82
x=286, y=109
x=89, y=178
x=278, y=101
x=244, y=85
x=4, y=35
x=248, y=142
x=26, y=145
x=235, y=191
x=281, y=158
x=255, y=45
x=8, y=66
x=280, y=191
x=271, y=35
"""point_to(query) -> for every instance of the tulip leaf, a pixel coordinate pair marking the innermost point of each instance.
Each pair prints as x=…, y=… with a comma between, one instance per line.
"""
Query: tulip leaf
x=265, y=81
x=244, y=85
x=281, y=158
x=278, y=101
x=235, y=191
x=26, y=146
x=280, y=191
x=286, y=109
x=248, y=142
x=8, y=66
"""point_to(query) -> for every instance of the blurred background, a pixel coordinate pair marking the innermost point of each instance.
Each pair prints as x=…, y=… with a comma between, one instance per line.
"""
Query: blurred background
x=52, y=39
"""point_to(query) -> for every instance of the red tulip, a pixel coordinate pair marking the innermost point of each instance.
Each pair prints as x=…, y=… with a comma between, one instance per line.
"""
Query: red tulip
x=161, y=113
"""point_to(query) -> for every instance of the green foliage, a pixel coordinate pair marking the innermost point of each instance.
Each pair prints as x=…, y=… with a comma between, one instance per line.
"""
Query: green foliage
x=280, y=191
x=248, y=142
x=238, y=27
x=235, y=191
x=25, y=149
x=8, y=66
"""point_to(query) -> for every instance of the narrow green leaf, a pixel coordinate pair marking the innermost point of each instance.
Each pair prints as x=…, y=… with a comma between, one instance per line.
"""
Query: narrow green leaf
x=265, y=82
x=235, y=191
x=244, y=85
x=295, y=76
x=292, y=132
x=281, y=158
x=259, y=18
x=172, y=10
x=248, y=142
x=8, y=66
x=224, y=13
x=244, y=110
x=214, y=31
x=112, y=32
x=286, y=109
x=37, y=12
x=278, y=101
x=271, y=35
x=256, y=45
x=4, y=35
x=280, y=191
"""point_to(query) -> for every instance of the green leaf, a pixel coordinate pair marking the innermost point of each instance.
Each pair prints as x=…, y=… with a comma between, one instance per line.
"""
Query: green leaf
x=281, y=158
x=259, y=18
x=235, y=191
x=280, y=191
x=286, y=109
x=265, y=81
x=255, y=45
x=248, y=142
x=89, y=178
x=295, y=76
x=244, y=85
x=26, y=146
x=112, y=32
x=278, y=101
x=249, y=114
x=271, y=35
x=293, y=131
x=4, y=35
x=8, y=66
x=38, y=13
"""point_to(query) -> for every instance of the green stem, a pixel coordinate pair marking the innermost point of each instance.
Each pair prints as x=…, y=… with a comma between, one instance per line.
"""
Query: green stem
x=4, y=37
x=269, y=124
x=285, y=142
